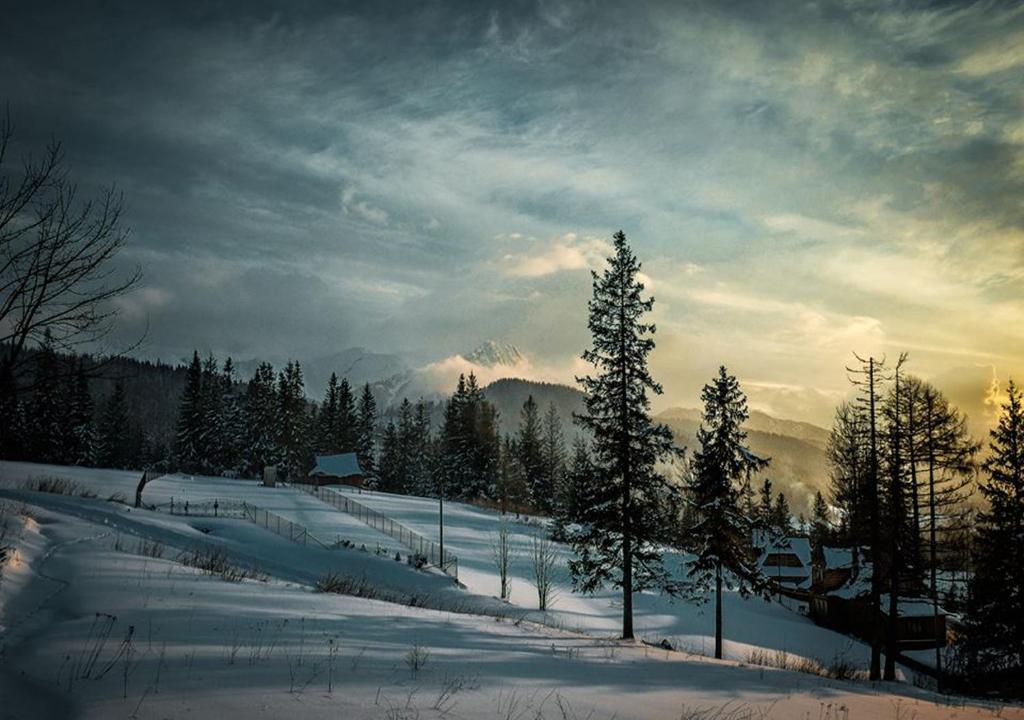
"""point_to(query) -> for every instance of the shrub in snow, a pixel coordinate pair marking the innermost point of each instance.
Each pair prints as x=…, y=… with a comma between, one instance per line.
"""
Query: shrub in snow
x=416, y=658
x=57, y=486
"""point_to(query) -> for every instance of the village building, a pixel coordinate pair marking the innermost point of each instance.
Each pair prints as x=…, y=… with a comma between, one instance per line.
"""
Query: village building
x=785, y=562
x=840, y=600
x=340, y=469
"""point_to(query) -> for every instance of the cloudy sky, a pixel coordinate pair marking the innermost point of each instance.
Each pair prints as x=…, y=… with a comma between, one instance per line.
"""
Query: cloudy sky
x=800, y=181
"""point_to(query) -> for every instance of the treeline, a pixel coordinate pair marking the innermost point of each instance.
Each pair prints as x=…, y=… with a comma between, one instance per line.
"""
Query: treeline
x=903, y=466
x=902, y=462
x=225, y=428
x=59, y=417
x=468, y=458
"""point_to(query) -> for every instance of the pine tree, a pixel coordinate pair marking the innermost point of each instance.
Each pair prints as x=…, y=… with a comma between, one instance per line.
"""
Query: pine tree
x=81, y=433
x=327, y=435
x=389, y=475
x=512, y=490
x=821, y=523
x=530, y=448
x=765, y=517
x=228, y=422
x=552, y=460
x=849, y=460
x=420, y=473
x=366, y=433
x=617, y=541
x=487, y=451
x=995, y=605
x=468, y=447
x=407, y=447
x=47, y=410
x=721, y=538
x=345, y=436
x=191, y=417
x=12, y=440
x=576, y=490
x=782, y=517
x=261, y=421
x=293, y=438
x=115, y=441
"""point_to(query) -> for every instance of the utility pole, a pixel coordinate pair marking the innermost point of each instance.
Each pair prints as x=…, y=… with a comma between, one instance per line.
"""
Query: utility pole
x=441, y=517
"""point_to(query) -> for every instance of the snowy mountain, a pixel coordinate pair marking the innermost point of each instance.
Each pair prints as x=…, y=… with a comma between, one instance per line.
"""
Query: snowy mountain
x=492, y=352
x=488, y=361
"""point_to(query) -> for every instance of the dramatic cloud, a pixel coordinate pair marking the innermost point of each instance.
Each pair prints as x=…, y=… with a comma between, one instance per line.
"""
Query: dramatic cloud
x=800, y=183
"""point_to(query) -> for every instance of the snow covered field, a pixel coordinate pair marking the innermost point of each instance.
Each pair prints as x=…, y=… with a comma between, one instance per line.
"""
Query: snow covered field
x=92, y=626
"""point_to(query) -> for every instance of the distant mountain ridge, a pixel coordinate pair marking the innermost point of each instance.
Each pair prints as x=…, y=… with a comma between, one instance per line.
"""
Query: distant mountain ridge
x=799, y=465
x=760, y=422
x=797, y=449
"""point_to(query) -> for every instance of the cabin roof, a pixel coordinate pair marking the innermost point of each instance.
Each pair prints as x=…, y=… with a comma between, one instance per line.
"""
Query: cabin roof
x=343, y=465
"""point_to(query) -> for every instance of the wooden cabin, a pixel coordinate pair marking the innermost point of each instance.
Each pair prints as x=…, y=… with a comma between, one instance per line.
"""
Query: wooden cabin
x=340, y=469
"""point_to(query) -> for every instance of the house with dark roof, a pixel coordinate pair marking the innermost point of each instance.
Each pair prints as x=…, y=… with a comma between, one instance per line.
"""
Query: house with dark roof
x=340, y=469
x=786, y=562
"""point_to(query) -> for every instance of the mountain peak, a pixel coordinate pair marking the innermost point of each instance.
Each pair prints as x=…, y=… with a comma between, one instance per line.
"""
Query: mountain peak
x=492, y=352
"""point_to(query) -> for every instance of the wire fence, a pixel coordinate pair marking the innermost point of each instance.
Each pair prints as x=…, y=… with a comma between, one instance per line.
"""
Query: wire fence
x=206, y=508
x=241, y=510
x=280, y=525
x=447, y=561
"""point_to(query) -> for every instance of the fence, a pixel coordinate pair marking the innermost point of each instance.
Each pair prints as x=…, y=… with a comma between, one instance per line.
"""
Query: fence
x=244, y=511
x=280, y=525
x=448, y=563
x=208, y=508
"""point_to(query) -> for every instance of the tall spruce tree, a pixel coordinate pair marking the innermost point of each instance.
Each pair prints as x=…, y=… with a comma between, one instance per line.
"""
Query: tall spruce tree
x=229, y=430
x=617, y=541
x=345, y=430
x=81, y=432
x=261, y=421
x=848, y=458
x=995, y=604
x=293, y=438
x=115, y=441
x=576, y=490
x=720, y=540
x=552, y=460
x=366, y=433
x=190, y=434
x=326, y=435
x=821, y=523
x=530, y=448
x=389, y=471
x=48, y=408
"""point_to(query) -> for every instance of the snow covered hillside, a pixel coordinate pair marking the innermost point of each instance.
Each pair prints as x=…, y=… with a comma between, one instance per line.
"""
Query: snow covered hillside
x=100, y=618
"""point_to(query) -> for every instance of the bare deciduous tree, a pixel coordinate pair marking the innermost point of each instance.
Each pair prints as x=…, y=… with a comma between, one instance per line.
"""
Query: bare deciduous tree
x=56, y=276
x=543, y=558
x=503, y=554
